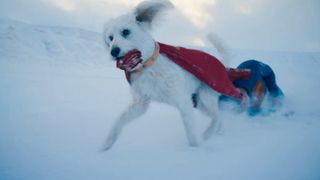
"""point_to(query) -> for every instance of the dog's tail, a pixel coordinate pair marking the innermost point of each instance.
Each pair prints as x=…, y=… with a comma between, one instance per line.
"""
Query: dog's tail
x=221, y=48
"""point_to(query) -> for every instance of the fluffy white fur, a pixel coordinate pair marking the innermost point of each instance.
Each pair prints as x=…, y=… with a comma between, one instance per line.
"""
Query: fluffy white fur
x=164, y=81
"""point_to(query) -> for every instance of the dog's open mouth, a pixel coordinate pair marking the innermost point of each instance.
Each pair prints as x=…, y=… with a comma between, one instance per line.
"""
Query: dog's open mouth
x=130, y=60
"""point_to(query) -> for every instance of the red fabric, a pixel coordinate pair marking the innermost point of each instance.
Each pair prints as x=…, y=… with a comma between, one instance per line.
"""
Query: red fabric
x=235, y=74
x=129, y=61
x=205, y=67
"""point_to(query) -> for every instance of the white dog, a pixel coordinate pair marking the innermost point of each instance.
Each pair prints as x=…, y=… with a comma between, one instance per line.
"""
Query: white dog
x=155, y=77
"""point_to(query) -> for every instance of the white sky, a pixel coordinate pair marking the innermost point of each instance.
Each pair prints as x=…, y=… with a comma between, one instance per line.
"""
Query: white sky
x=280, y=25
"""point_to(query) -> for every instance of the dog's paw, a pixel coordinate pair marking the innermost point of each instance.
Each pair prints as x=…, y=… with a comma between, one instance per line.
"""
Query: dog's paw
x=210, y=132
x=108, y=144
x=194, y=144
x=206, y=135
x=106, y=148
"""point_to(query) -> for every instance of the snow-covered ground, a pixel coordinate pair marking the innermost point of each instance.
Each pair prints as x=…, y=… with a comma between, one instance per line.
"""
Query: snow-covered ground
x=59, y=95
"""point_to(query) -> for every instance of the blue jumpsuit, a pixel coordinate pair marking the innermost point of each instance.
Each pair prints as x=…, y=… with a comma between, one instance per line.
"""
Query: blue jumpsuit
x=262, y=81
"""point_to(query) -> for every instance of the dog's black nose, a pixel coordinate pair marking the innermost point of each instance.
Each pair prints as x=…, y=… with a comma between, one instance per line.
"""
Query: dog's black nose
x=115, y=52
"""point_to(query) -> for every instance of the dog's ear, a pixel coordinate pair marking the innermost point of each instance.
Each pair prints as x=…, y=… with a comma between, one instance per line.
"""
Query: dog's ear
x=147, y=11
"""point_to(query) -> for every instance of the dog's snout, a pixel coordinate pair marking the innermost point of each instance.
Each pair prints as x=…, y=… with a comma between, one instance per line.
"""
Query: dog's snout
x=115, y=52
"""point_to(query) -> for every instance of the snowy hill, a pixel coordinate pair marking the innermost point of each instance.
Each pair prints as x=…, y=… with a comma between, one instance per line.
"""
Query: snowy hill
x=59, y=95
x=33, y=43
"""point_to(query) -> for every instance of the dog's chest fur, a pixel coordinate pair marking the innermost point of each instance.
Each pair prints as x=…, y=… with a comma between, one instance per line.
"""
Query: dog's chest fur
x=165, y=82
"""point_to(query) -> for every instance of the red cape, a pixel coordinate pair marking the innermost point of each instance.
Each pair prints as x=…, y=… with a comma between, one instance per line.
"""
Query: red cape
x=205, y=67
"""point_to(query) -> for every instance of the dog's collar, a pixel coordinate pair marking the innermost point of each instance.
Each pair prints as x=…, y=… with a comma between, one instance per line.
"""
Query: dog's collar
x=142, y=66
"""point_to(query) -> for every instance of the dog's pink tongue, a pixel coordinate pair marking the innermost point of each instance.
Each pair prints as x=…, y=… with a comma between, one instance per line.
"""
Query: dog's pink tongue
x=130, y=60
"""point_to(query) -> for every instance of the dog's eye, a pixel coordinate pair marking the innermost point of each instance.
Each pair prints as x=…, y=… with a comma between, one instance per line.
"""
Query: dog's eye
x=125, y=33
x=110, y=38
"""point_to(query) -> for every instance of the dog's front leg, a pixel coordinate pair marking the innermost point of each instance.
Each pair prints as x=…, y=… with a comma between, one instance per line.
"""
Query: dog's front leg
x=187, y=115
x=136, y=109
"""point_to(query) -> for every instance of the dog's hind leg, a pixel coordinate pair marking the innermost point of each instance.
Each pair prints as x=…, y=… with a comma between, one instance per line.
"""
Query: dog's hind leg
x=208, y=104
x=135, y=110
x=187, y=115
x=215, y=124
